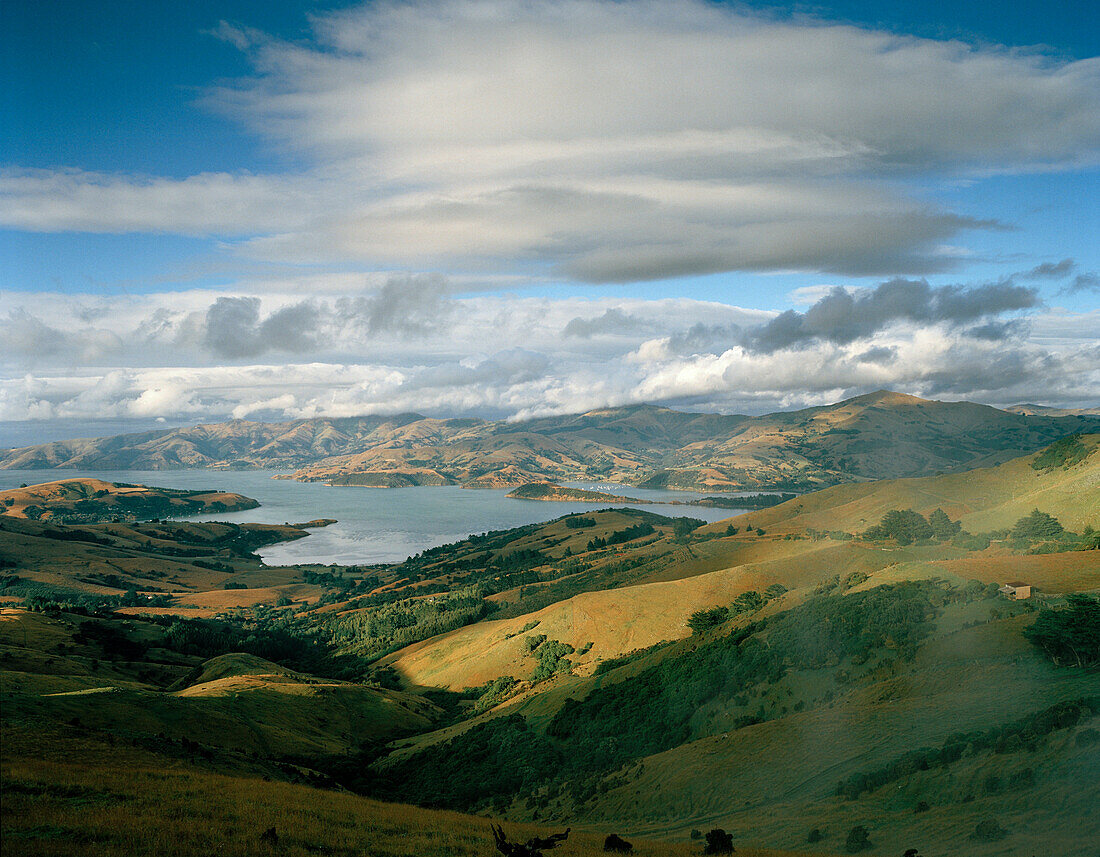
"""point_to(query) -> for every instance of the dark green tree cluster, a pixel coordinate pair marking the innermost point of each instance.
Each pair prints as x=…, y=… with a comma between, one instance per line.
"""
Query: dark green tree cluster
x=703, y=620
x=619, y=537
x=371, y=633
x=906, y=526
x=579, y=522
x=1062, y=453
x=682, y=528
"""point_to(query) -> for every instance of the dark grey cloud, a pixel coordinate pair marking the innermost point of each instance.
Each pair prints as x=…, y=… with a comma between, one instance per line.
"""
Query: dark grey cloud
x=881, y=355
x=1050, y=271
x=406, y=304
x=998, y=331
x=842, y=317
x=233, y=328
x=1086, y=282
x=613, y=321
x=705, y=338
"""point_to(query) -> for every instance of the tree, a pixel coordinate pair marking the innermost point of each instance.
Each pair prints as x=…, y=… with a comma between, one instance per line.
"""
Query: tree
x=1037, y=525
x=903, y=525
x=1070, y=634
x=683, y=527
x=943, y=527
x=748, y=602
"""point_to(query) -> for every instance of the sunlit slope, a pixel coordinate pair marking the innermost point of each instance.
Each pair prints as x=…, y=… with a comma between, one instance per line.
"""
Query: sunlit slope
x=985, y=499
x=618, y=620
x=96, y=500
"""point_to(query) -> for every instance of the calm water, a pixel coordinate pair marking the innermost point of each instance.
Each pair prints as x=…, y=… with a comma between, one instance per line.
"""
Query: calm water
x=375, y=524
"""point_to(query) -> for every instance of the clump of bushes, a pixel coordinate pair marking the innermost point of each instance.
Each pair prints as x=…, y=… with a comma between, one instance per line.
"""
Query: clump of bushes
x=552, y=660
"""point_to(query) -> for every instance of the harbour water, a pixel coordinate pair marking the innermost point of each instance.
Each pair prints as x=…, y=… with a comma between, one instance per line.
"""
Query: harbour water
x=374, y=524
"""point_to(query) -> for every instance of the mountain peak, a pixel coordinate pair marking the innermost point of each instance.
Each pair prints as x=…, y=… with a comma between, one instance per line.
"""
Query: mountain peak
x=890, y=398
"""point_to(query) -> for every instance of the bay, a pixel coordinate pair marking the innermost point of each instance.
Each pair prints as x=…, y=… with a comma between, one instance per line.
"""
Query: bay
x=374, y=525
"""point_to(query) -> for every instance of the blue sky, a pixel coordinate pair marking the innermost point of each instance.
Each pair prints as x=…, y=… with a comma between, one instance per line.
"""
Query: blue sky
x=440, y=166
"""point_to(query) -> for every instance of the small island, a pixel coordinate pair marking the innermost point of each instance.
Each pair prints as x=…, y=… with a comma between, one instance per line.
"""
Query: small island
x=86, y=501
x=560, y=494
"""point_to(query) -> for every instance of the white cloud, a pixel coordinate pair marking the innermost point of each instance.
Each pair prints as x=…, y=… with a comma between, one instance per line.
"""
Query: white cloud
x=507, y=357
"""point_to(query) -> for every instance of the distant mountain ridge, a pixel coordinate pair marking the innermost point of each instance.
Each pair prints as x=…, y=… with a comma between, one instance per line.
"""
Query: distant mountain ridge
x=878, y=435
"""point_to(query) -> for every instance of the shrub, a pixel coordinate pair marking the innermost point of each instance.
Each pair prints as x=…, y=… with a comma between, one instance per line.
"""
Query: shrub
x=988, y=830
x=1087, y=737
x=552, y=660
x=858, y=839
x=814, y=835
x=683, y=527
x=533, y=642
x=942, y=526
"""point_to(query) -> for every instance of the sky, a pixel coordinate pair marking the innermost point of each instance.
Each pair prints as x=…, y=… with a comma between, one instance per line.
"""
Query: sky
x=512, y=208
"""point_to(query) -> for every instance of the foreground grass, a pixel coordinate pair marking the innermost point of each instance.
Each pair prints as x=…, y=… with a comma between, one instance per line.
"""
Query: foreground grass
x=71, y=793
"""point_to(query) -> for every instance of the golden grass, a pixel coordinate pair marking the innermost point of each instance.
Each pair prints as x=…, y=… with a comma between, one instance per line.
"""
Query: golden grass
x=1055, y=573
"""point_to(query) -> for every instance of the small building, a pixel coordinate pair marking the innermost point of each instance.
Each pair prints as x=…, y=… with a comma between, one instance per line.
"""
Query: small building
x=1016, y=591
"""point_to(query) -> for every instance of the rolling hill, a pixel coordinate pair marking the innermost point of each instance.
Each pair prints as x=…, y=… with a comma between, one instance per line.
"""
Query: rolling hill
x=876, y=436
x=92, y=500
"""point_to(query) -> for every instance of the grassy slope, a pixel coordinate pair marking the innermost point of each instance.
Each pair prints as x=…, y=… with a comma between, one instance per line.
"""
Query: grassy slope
x=964, y=678
x=236, y=702
x=972, y=678
x=67, y=788
x=108, y=559
x=984, y=499
x=619, y=620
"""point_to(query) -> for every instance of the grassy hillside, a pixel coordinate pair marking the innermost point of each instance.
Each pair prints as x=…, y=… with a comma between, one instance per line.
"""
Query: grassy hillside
x=67, y=788
x=751, y=728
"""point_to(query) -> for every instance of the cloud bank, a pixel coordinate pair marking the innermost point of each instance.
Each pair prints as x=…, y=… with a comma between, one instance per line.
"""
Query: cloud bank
x=601, y=141
x=197, y=355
